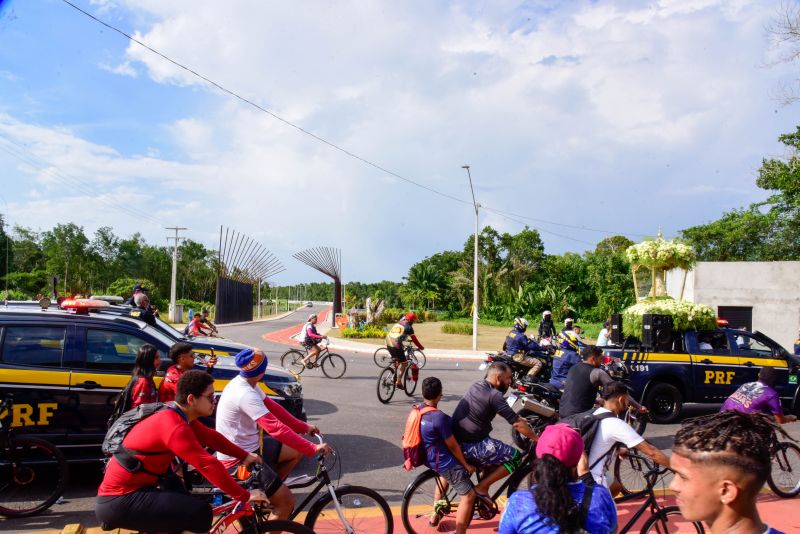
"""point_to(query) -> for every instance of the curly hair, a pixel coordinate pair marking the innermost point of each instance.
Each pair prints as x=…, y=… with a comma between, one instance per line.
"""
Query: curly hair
x=739, y=440
x=552, y=495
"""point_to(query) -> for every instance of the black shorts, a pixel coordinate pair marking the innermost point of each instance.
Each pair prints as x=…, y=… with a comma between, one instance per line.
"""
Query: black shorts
x=310, y=343
x=154, y=510
x=271, y=451
x=398, y=355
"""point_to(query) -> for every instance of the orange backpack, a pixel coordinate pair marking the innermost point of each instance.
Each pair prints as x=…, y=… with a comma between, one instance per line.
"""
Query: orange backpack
x=413, y=449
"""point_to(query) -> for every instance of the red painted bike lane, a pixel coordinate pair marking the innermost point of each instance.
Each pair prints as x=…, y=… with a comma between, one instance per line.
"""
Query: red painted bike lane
x=284, y=336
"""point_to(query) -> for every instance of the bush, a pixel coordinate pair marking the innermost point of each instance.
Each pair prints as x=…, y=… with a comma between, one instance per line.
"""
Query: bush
x=13, y=294
x=196, y=305
x=364, y=333
x=457, y=328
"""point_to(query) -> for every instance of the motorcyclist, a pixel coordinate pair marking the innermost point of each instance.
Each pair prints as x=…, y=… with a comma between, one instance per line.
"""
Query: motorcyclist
x=564, y=358
x=546, y=327
x=524, y=350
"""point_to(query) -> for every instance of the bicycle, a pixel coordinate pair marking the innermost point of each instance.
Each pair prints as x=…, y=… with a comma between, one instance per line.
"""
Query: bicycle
x=33, y=472
x=332, y=364
x=784, y=475
x=387, y=382
x=383, y=358
x=663, y=519
x=430, y=504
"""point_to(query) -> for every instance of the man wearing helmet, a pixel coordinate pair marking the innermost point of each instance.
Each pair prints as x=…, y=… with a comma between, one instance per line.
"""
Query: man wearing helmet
x=310, y=338
x=522, y=349
x=402, y=330
x=546, y=327
x=564, y=358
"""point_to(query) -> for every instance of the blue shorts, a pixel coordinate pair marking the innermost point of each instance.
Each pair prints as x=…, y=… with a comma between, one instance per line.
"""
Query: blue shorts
x=488, y=452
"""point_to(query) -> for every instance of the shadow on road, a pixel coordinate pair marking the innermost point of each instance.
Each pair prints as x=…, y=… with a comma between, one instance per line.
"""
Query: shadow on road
x=317, y=407
x=358, y=454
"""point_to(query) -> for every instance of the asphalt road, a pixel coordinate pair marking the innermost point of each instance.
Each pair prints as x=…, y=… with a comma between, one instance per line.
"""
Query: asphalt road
x=365, y=433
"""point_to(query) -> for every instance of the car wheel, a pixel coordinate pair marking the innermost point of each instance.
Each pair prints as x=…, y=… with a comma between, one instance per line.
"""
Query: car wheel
x=664, y=402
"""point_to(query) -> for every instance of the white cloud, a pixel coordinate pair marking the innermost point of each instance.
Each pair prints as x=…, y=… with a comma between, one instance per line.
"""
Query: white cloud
x=123, y=69
x=562, y=110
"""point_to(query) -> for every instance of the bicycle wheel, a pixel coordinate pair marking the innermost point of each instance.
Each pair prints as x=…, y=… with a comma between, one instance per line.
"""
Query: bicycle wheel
x=333, y=366
x=382, y=357
x=33, y=474
x=669, y=520
x=429, y=505
x=630, y=472
x=784, y=475
x=409, y=384
x=386, y=385
x=293, y=360
x=363, y=509
x=420, y=357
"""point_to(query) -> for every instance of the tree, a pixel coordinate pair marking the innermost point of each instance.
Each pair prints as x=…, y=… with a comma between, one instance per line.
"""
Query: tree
x=65, y=249
x=616, y=244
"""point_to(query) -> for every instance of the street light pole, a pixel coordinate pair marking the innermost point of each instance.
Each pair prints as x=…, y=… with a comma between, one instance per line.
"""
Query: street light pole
x=475, y=267
x=173, y=316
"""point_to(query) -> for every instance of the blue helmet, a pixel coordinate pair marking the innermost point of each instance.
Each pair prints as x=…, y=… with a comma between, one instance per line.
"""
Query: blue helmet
x=520, y=324
x=569, y=341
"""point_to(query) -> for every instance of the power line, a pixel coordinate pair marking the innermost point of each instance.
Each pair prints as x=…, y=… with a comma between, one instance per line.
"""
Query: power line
x=509, y=218
x=327, y=142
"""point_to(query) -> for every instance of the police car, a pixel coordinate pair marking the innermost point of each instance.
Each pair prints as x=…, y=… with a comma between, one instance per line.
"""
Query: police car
x=65, y=367
x=705, y=367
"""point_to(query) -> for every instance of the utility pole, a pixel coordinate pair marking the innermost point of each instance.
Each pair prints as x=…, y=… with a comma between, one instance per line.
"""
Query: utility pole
x=258, y=297
x=173, y=287
x=475, y=270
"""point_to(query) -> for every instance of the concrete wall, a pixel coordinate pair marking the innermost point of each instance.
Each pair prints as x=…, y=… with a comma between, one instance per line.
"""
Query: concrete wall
x=772, y=289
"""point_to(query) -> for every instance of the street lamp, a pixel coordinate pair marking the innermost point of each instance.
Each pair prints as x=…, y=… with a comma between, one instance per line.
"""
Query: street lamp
x=475, y=267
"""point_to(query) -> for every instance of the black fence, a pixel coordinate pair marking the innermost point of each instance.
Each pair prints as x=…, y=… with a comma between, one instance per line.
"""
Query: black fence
x=234, y=301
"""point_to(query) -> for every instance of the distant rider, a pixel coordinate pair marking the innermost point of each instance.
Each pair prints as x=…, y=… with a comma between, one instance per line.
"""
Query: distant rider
x=310, y=338
x=564, y=358
x=546, y=327
x=401, y=331
x=759, y=397
x=522, y=349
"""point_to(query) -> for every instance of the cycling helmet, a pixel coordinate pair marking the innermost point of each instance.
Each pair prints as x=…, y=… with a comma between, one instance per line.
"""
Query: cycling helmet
x=545, y=314
x=411, y=317
x=521, y=324
x=312, y=317
x=569, y=341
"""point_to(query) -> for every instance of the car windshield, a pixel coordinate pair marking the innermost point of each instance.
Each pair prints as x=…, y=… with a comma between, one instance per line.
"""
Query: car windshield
x=168, y=330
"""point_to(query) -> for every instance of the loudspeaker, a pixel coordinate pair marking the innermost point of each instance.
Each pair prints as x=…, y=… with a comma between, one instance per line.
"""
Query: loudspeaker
x=657, y=331
x=616, y=329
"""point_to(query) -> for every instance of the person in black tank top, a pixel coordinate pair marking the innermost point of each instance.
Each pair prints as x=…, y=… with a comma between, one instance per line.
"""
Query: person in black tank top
x=583, y=383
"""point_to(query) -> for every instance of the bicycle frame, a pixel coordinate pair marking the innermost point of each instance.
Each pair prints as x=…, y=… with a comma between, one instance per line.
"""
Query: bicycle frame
x=230, y=512
x=651, y=502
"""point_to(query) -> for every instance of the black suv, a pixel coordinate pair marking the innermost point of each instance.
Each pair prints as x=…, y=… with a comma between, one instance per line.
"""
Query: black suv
x=64, y=370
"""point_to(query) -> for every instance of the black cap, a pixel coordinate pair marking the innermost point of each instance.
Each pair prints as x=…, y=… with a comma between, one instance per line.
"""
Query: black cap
x=138, y=287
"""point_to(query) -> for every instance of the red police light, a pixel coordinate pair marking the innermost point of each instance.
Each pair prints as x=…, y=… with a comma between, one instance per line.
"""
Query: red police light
x=722, y=323
x=490, y=357
x=606, y=359
x=522, y=388
x=83, y=305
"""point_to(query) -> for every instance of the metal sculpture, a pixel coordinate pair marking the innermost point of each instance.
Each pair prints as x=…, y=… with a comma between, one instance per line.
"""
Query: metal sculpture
x=328, y=261
x=242, y=263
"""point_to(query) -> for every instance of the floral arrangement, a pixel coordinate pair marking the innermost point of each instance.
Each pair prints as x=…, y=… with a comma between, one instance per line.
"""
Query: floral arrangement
x=685, y=315
x=662, y=254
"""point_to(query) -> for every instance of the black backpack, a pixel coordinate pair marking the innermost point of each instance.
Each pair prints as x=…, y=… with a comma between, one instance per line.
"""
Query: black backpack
x=587, y=424
x=122, y=403
x=112, y=443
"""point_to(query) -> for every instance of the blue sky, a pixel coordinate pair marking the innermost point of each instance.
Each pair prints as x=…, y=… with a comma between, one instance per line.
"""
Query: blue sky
x=621, y=116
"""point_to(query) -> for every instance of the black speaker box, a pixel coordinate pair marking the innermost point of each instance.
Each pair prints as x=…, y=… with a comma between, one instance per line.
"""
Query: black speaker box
x=616, y=329
x=657, y=331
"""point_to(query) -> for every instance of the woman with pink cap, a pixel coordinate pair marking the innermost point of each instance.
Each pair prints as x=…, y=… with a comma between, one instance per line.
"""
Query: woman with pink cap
x=558, y=502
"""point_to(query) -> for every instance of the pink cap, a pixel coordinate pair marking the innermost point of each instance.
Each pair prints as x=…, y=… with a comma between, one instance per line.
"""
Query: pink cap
x=561, y=441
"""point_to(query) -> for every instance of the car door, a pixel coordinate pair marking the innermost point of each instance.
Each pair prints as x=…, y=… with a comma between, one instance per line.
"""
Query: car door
x=31, y=371
x=107, y=356
x=756, y=351
x=715, y=367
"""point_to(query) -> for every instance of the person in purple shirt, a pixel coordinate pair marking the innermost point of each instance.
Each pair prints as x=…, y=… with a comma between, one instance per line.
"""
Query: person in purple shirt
x=759, y=397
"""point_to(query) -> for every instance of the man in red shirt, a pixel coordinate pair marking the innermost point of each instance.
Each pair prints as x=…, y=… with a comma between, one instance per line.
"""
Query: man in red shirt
x=133, y=500
x=182, y=355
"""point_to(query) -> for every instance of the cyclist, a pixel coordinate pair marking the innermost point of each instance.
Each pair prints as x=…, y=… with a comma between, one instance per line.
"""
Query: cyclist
x=196, y=328
x=133, y=500
x=243, y=408
x=546, y=327
x=443, y=454
x=759, y=397
x=205, y=319
x=559, y=502
x=472, y=424
x=564, y=358
x=310, y=338
x=182, y=357
x=147, y=363
x=721, y=462
x=402, y=330
x=522, y=349
x=612, y=431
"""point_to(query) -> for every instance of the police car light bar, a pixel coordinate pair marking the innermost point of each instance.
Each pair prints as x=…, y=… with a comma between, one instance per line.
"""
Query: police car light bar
x=83, y=305
x=722, y=323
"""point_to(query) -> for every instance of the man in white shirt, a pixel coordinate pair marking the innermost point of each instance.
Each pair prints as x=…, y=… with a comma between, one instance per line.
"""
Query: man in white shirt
x=614, y=431
x=243, y=408
x=604, y=336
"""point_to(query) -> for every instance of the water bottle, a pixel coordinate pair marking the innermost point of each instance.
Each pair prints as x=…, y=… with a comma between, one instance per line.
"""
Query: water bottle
x=217, y=500
x=414, y=372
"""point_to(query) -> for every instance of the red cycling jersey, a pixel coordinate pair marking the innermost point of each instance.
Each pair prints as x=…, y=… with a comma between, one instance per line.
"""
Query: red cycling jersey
x=143, y=392
x=166, y=431
x=169, y=386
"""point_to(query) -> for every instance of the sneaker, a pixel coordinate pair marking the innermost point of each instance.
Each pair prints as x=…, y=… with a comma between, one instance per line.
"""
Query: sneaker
x=439, y=509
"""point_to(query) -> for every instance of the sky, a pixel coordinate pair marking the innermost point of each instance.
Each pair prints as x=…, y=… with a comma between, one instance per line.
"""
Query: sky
x=579, y=119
